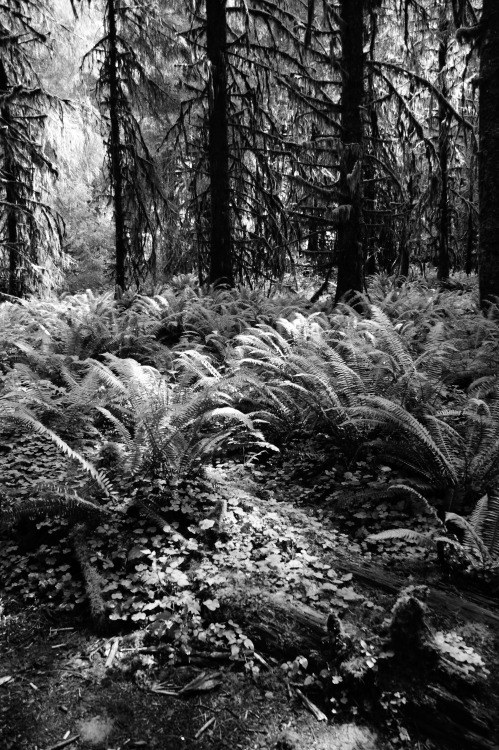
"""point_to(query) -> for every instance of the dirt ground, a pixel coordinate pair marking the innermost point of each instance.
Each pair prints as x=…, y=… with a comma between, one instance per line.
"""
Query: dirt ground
x=61, y=694
x=65, y=684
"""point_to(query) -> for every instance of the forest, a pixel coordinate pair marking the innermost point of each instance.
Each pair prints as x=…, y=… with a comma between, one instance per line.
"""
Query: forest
x=249, y=374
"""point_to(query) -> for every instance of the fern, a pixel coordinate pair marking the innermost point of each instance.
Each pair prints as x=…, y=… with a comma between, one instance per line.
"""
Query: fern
x=378, y=412
x=12, y=412
x=423, y=539
x=54, y=500
x=484, y=523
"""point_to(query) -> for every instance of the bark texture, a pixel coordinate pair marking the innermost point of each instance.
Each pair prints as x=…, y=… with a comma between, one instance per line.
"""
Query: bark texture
x=116, y=150
x=9, y=180
x=443, y=150
x=221, y=269
x=349, y=244
x=488, y=158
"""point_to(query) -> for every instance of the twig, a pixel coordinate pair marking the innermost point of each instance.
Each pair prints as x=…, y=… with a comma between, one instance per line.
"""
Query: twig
x=319, y=715
x=205, y=726
x=261, y=660
x=201, y=683
x=59, y=630
x=63, y=743
x=112, y=653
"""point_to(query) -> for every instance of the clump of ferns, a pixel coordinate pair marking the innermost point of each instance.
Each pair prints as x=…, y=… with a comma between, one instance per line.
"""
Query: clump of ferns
x=43, y=386
x=168, y=430
x=472, y=343
x=452, y=456
x=377, y=349
x=325, y=372
x=462, y=545
x=18, y=408
x=303, y=382
x=128, y=331
x=273, y=410
x=85, y=326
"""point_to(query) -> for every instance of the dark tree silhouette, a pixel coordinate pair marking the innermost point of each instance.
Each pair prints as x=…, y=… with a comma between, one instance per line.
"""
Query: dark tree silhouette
x=31, y=232
x=350, y=228
x=444, y=122
x=488, y=154
x=221, y=262
x=130, y=85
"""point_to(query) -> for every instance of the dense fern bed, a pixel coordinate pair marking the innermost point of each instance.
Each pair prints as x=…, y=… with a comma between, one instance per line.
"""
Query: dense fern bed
x=301, y=502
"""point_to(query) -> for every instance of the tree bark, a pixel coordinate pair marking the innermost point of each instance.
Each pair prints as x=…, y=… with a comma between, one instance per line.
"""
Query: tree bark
x=443, y=149
x=221, y=270
x=14, y=281
x=349, y=245
x=488, y=158
x=115, y=150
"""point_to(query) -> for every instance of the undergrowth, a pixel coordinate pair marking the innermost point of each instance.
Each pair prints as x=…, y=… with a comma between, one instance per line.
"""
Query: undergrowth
x=144, y=394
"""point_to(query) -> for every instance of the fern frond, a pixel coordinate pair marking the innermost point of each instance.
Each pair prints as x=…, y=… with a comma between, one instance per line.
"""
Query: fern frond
x=472, y=539
x=375, y=412
x=118, y=425
x=24, y=417
x=406, y=535
x=489, y=526
x=55, y=500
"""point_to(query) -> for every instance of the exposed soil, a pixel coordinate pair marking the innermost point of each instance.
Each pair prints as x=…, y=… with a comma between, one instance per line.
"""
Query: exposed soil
x=61, y=689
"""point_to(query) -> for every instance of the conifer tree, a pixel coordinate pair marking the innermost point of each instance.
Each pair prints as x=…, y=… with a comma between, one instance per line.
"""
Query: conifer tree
x=488, y=158
x=132, y=92
x=30, y=230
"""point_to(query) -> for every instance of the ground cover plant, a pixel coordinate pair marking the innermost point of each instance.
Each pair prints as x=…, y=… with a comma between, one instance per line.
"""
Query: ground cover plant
x=278, y=494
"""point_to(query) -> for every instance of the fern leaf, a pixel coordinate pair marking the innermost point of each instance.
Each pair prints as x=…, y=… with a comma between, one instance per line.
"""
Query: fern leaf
x=490, y=525
x=406, y=535
x=24, y=417
x=472, y=539
x=54, y=501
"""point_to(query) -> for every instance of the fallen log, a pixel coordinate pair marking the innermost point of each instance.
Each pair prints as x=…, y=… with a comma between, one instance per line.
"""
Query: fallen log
x=445, y=718
x=287, y=629
x=467, y=604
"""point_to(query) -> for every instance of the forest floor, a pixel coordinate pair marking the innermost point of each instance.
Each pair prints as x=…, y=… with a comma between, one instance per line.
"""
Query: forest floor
x=274, y=672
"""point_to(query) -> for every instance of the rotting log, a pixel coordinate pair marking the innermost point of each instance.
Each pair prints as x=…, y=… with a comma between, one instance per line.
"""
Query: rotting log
x=466, y=604
x=444, y=718
x=280, y=628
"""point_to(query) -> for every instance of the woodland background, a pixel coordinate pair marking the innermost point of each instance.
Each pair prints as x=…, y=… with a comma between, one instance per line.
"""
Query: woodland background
x=249, y=358
x=243, y=142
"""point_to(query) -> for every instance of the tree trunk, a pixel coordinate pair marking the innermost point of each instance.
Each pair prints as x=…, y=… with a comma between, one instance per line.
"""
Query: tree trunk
x=443, y=151
x=115, y=151
x=349, y=239
x=9, y=179
x=221, y=271
x=488, y=158
x=404, y=259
